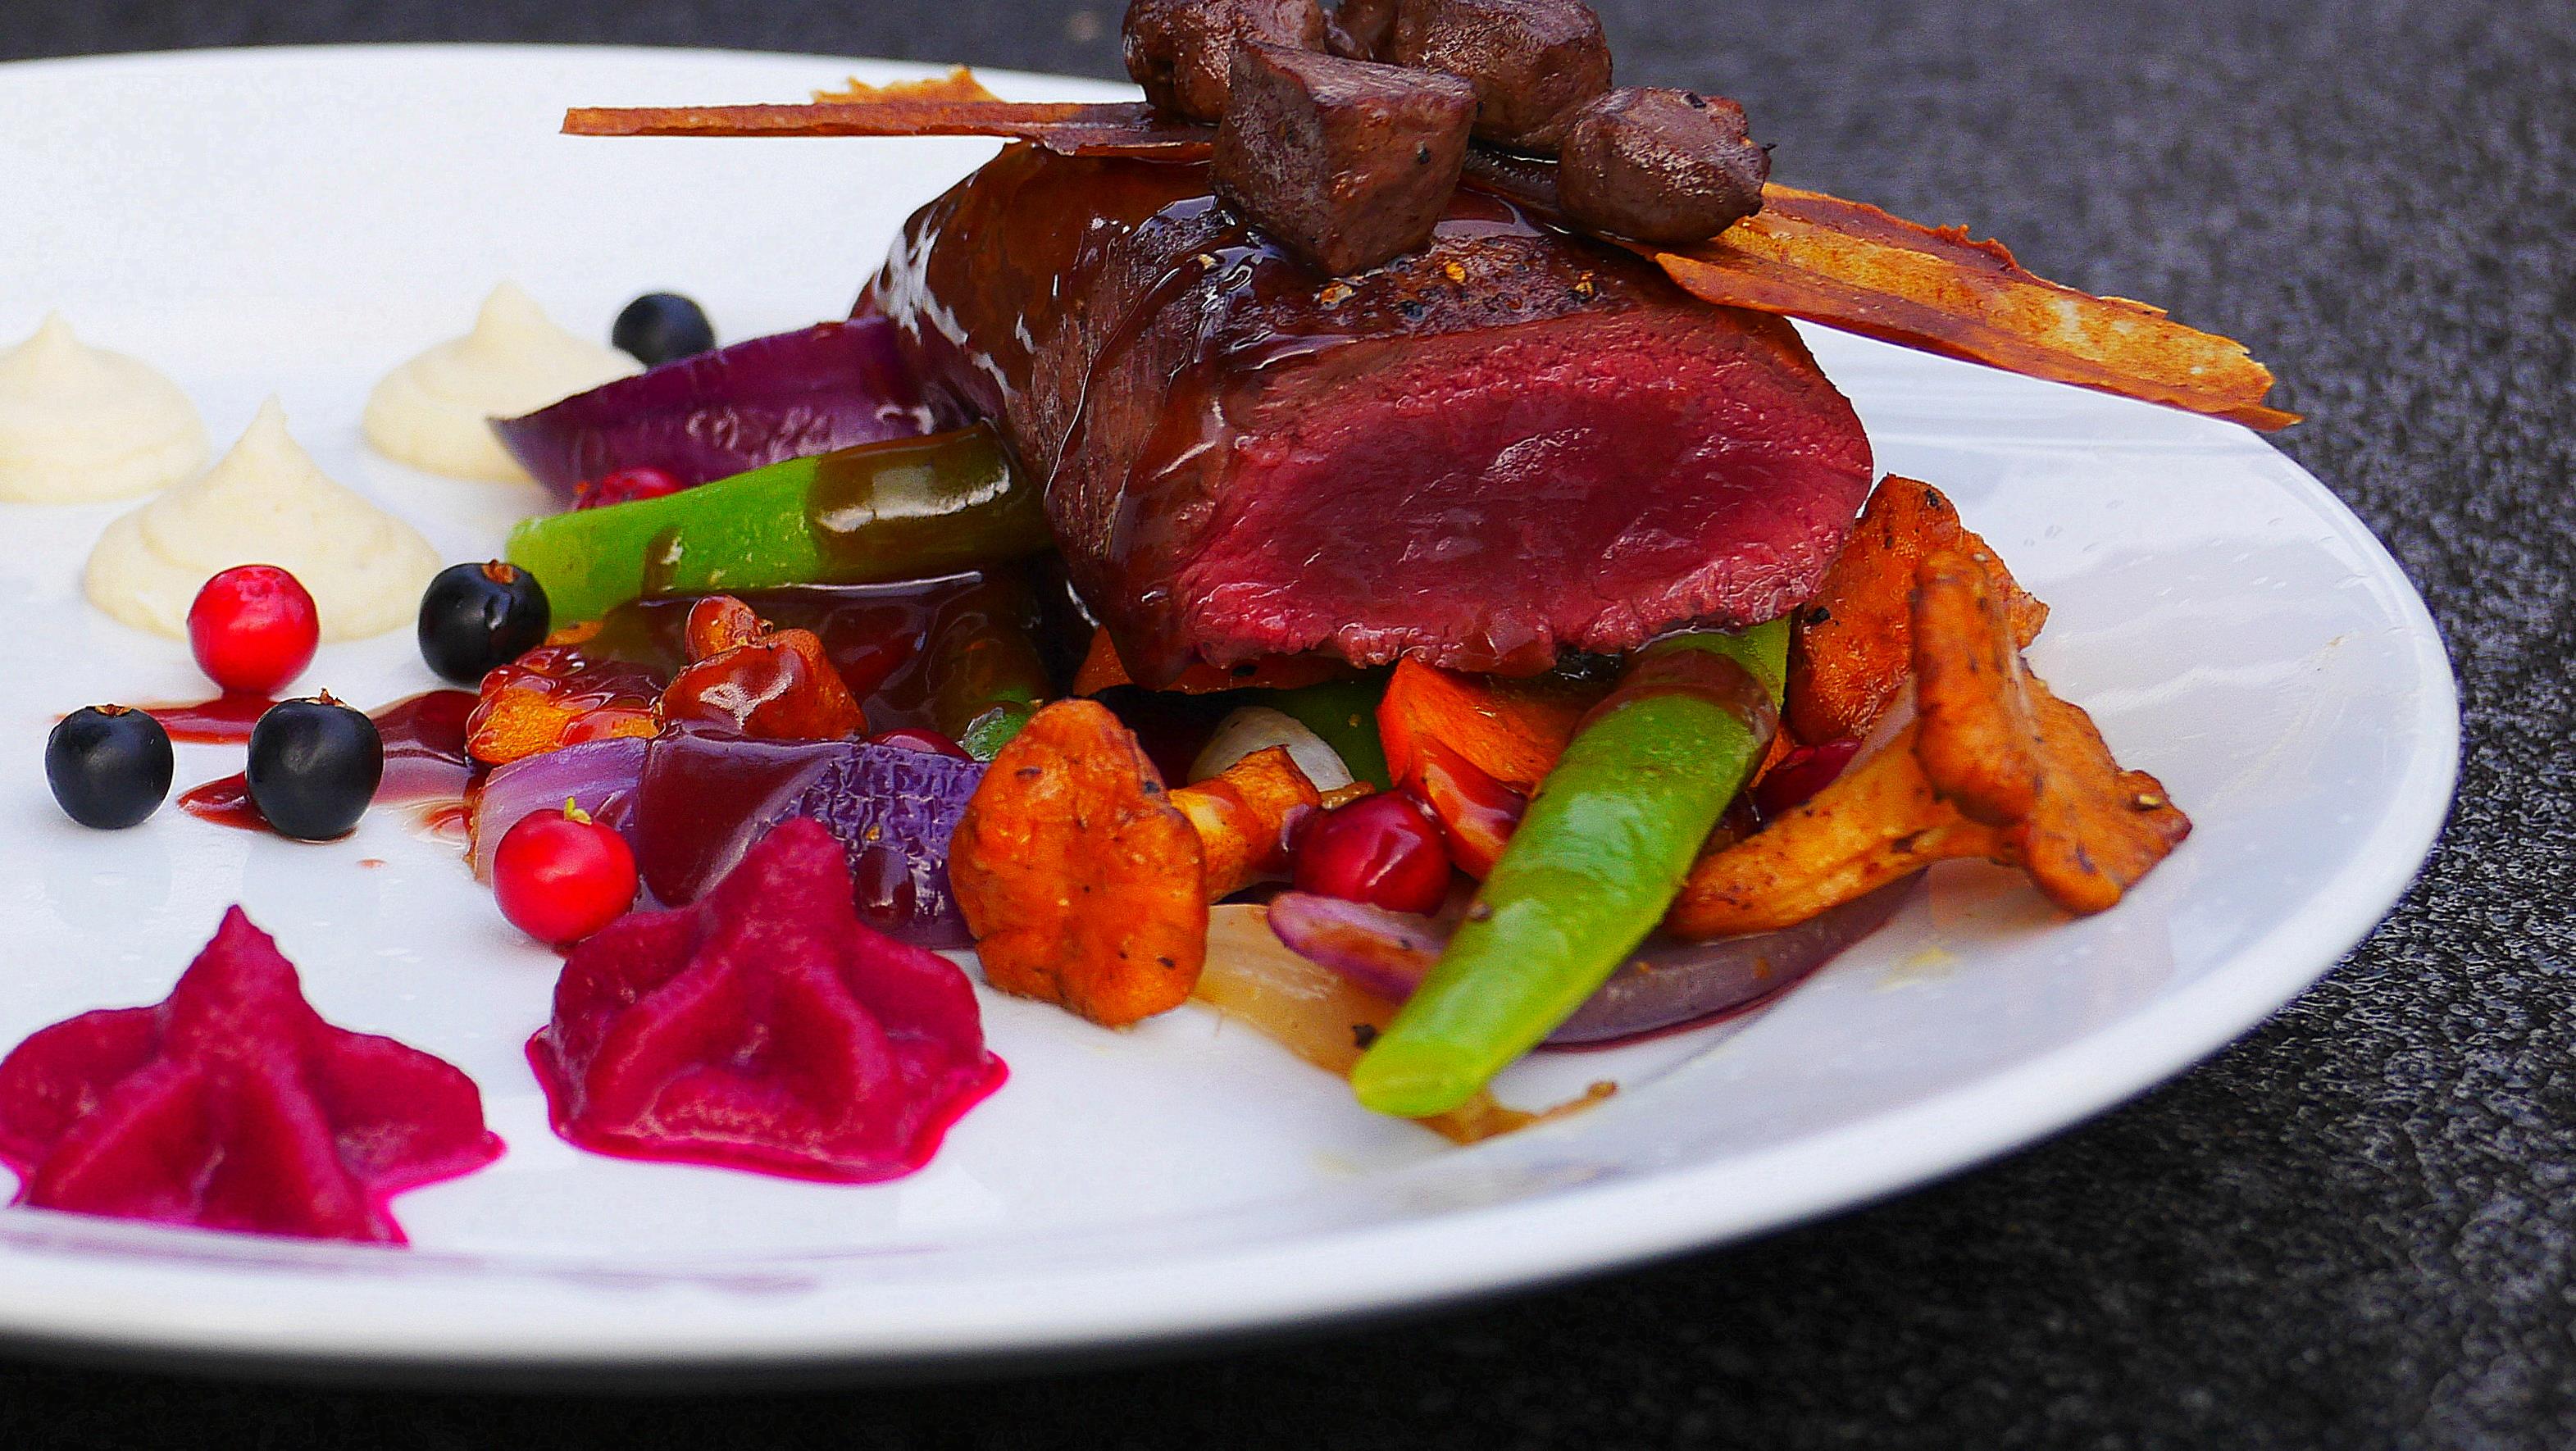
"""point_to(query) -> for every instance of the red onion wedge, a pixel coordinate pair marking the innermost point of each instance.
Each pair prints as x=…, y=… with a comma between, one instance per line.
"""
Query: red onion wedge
x=1667, y=984
x=714, y=415
x=599, y=776
x=1380, y=951
x=706, y=798
x=1673, y=984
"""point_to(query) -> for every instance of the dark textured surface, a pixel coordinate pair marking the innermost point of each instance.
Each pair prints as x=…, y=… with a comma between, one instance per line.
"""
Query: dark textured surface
x=2351, y=1230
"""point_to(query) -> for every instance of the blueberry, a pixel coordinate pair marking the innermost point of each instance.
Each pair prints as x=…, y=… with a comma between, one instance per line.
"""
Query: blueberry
x=109, y=766
x=475, y=618
x=314, y=766
x=660, y=326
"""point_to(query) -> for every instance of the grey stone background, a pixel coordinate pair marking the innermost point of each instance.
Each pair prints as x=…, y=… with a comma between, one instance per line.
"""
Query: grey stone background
x=2352, y=1229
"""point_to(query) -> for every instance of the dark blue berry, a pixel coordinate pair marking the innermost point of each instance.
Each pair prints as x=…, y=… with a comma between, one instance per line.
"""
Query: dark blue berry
x=314, y=766
x=475, y=618
x=660, y=326
x=109, y=766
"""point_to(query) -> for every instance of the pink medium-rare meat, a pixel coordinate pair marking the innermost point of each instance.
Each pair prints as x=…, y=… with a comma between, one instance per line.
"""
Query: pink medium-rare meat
x=1510, y=444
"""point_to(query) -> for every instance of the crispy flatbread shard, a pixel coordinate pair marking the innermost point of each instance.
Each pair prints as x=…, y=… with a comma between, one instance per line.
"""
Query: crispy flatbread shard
x=1853, y=266
x=959, y=84
x=1843, y=264
x=1071, y=128
x=1851, y=646
x=1993, y=766
x=1995, y=742
x=1082, y=882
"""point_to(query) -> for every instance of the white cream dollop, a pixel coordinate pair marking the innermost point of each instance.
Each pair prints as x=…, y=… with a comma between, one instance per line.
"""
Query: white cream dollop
x=435, y=411
x=264, y=502
x=78, y=423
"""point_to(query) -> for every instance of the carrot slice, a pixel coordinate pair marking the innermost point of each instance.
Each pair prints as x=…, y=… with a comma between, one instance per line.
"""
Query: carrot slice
x=1511, y=730
x=1844, y=264
x=1102, y=669
x=959, y=84
x=1072, y=128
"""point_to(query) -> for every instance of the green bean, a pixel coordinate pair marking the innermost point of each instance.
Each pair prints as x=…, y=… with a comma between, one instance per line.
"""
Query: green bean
x=1591, y=869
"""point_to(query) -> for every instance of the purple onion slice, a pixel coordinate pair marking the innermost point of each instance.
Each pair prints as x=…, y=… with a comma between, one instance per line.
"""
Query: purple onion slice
x=1384, y=952
x=706, y=798
x=598, y=776
x=714, y=415
x=1671, y=984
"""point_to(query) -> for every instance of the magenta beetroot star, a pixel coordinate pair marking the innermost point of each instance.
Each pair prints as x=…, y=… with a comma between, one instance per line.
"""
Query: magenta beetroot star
x=764, y=1028
x=232, y=1105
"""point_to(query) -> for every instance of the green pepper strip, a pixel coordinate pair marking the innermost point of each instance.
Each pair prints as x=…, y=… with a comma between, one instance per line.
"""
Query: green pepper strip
x=1589, y=872
x=991, y=680
x=896, y=510
x=1344, y=714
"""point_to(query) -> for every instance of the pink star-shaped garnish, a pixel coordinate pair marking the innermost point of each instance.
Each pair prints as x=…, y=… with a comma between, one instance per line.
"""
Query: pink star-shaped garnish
x=764, y=1028
x=232, y=1105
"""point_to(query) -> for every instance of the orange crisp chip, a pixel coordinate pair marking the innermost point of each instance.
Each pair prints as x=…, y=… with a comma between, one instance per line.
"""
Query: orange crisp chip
x=1993, y=766
x=2009, y=754
x=1851, y=647
x=1851, y=266
x=958, y=85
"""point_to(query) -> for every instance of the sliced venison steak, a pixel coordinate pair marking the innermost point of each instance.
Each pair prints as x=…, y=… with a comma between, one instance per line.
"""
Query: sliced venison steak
x=1510, y=444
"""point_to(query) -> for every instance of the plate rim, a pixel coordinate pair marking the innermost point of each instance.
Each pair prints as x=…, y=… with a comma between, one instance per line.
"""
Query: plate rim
x=1415, y=1264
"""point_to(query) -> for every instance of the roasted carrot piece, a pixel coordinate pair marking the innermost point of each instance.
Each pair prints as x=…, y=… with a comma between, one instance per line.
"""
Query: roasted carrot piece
x=1850, y=647
x=1474, y=748
x=1102, y=669
x=1083, y=883
x=1242, y=818
x=1512, y=730
x=1476, y=813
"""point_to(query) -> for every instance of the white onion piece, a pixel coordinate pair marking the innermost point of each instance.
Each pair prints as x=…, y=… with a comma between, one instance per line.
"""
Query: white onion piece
x=1258, y=728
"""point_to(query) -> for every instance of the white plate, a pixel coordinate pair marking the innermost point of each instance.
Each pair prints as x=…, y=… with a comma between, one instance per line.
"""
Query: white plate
x=296, y=221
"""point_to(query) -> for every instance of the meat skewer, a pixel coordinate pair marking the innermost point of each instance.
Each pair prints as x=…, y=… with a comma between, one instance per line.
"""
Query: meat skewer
x=1808, y=255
